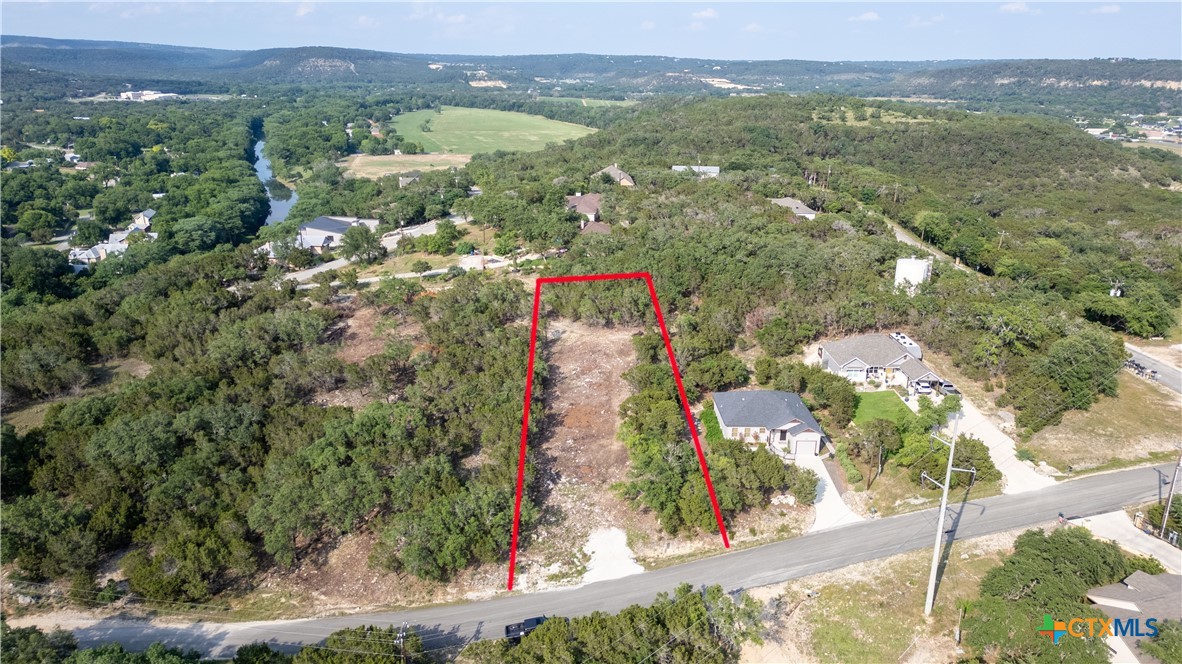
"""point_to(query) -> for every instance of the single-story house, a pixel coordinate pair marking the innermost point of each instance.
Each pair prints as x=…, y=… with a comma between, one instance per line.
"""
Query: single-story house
x=1139, y=597
x=586, y=205
x=777, y=419
x=702, y=171
x=409, y=179
x=889, y=360
x=798, y=207
x=618, y=176
x=84, y=165
x=324, y=233
x=911, y=272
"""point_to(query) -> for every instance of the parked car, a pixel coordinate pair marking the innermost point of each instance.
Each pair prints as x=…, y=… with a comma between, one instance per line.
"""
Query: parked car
x=923, y=388
x=515, y=631
x=948, y=388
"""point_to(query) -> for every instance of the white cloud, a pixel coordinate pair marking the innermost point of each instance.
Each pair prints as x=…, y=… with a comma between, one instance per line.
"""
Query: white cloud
x=705, y=13
x=868, y=16
x=917, y=22
x=1017, y=8
x=304, y=9
x=647, y=25
x=1107, y=9
x=450, y=18
x=697, y=25
x=753, y=27
x=367, y=22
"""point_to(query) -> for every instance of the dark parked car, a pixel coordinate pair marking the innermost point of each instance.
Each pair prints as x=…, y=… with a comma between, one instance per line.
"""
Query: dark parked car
x=515, y=631
x=948, y=388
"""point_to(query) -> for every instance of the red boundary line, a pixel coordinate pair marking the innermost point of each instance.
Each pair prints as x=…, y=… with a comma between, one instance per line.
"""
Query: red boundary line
x=529, y=382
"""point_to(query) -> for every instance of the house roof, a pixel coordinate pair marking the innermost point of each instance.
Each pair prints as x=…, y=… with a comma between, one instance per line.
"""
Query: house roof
x=1143, y=596
x=617, y=174
x=327, y=225
x=584, y=204
x=916, y=370
x=596, y=228
x=770, y=409
x=797, y=207
x=876, y=350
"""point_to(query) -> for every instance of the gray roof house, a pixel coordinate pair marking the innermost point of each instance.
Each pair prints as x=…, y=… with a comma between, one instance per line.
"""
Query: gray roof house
x=890, y=360
x=1139, y=597
x=798, y=208
x=778, y=419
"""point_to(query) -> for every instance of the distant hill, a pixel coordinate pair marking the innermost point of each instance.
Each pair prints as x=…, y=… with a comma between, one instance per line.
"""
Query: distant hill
x=1058, y=86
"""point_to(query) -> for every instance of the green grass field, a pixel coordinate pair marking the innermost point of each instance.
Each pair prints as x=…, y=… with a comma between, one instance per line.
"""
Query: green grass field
x=875, y=405
x=472, y=130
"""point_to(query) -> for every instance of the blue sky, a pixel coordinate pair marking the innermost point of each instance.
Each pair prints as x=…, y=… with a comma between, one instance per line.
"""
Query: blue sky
x=714, y=30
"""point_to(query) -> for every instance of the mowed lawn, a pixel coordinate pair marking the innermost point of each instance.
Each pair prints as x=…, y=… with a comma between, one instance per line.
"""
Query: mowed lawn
x=473, y=130
x=880, y=405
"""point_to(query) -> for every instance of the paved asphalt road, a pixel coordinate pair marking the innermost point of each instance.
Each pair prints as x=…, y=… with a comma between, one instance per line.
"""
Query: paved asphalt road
x=1167, y=375
x=735, y=570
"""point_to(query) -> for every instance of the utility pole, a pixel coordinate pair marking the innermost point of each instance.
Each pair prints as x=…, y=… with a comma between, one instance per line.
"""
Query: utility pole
x=931, y=598
x=1165, y=515
x=401, y=642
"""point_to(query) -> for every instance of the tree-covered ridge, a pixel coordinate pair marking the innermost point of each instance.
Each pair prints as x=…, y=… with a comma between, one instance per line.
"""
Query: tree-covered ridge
x=1045, y=87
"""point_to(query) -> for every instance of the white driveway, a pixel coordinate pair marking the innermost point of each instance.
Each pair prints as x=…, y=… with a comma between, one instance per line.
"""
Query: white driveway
x=831, y=510
x=1017, y=477
x=1117, y=526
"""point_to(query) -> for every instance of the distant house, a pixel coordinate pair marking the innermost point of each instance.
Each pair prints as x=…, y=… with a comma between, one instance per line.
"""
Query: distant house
x=586, y=205
x=595, y=228
x=798, y=208
x=158, y=195
x=702, y=171
x=324, y=233
x=84, y=165
x=911, y=272
x=73, y=158
x=1140, y=597
x=618, y=176
x=889, y=360
x=777, y=419
x=142, y=220
x=409, y=178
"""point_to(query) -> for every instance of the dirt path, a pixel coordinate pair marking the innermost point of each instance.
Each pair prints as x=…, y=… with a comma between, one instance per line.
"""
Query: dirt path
x=582, y=457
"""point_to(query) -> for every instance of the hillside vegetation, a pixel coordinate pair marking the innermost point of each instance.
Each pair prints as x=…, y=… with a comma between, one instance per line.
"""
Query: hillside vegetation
x=1047, y=87
x=221, y=465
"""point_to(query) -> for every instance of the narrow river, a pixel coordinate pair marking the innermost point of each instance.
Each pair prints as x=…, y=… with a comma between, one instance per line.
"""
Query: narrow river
x=281, y=198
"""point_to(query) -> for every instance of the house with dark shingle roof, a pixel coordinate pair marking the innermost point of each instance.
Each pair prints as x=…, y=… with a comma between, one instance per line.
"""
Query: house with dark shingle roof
x=1140, y=596
x=889, y=360
x=586, y=205
x=777, y=419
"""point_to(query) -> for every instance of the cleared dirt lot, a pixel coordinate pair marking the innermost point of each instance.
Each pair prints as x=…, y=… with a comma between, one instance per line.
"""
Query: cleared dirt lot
x=376, y=166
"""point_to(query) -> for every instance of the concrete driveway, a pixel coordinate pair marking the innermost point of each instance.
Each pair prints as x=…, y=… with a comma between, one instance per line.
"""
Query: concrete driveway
x=1017, y=477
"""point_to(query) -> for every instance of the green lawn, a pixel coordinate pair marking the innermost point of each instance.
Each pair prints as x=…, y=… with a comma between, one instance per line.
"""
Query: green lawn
x=875, y=405
x=460, y=130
